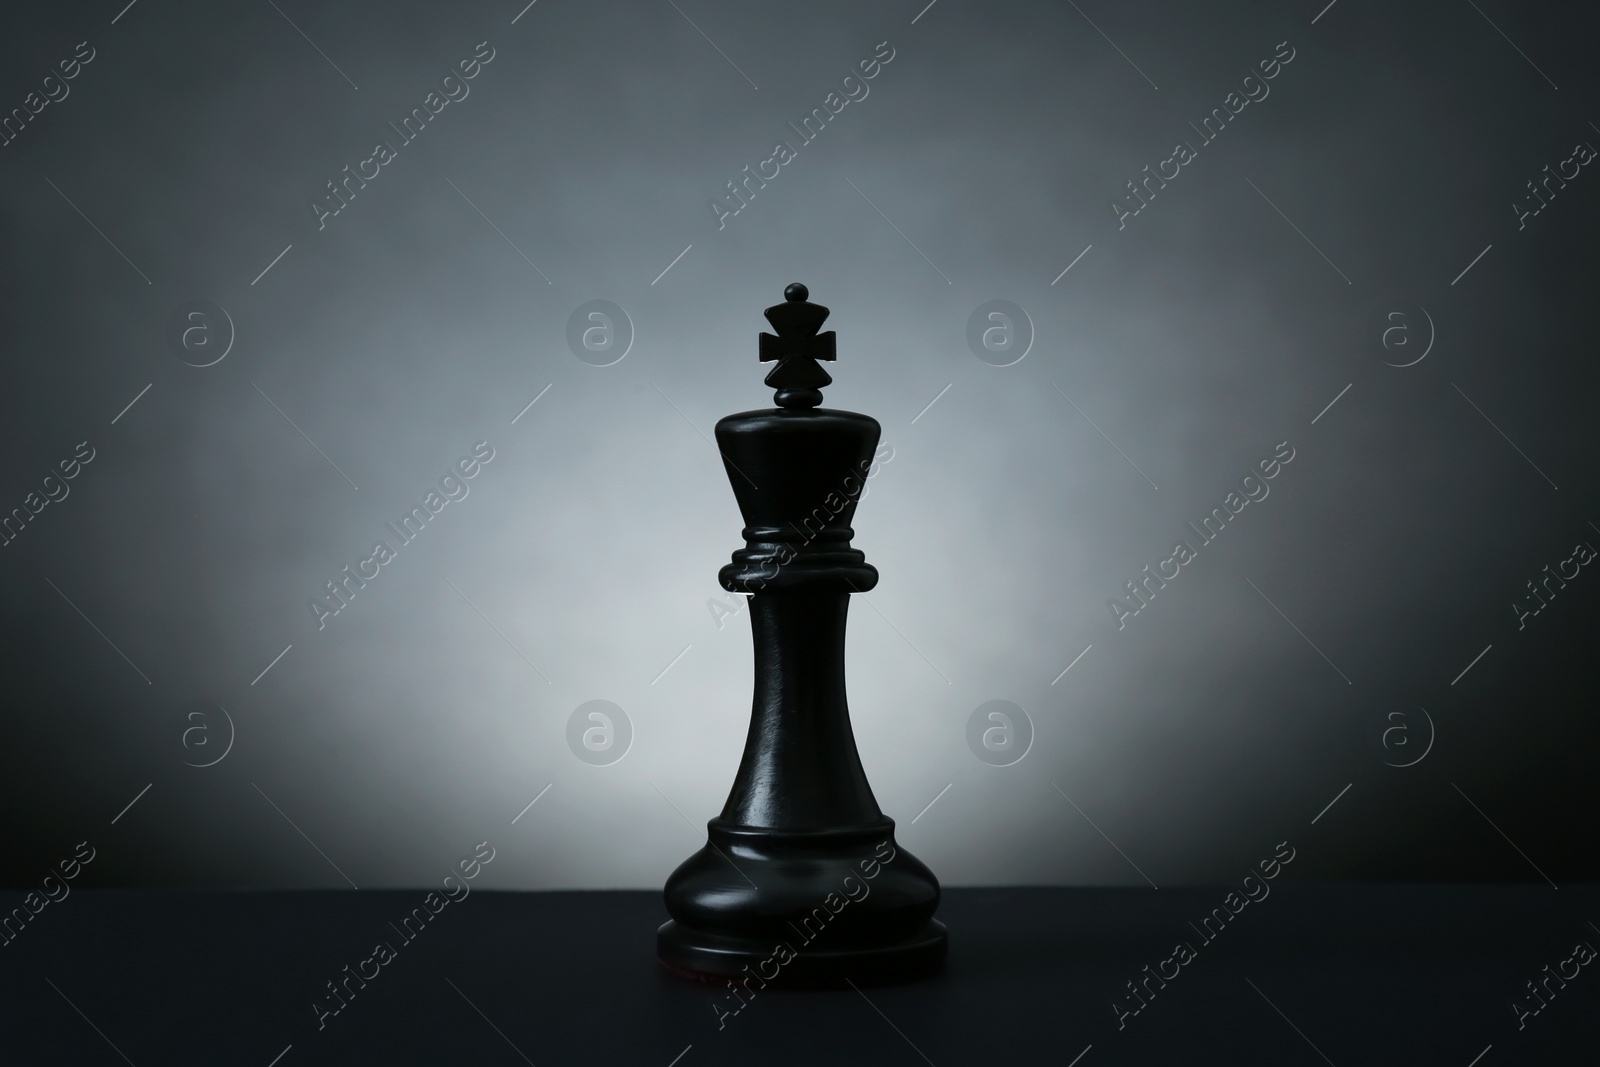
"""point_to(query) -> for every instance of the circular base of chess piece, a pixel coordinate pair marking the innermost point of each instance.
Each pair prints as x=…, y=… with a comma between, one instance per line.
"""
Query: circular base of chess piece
x=716, y=958
x=812, y=907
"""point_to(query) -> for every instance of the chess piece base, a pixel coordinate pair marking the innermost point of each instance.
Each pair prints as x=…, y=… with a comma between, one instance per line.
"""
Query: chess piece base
x=714, y=957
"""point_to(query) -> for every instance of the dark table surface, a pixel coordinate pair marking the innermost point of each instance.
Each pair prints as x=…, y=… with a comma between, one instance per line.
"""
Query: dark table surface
x=1311, y=974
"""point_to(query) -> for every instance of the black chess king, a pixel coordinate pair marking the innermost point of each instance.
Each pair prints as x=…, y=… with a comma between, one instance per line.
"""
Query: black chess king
x=800, y=880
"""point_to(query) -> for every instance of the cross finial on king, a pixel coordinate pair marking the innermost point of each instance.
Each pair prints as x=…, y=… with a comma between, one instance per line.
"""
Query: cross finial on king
x=797, y=347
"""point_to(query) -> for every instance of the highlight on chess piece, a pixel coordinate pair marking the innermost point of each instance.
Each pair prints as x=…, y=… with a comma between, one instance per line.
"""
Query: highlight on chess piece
x=800, y=880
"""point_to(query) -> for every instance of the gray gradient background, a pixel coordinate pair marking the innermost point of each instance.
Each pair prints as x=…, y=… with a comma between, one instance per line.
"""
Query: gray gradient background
x=1196, y=338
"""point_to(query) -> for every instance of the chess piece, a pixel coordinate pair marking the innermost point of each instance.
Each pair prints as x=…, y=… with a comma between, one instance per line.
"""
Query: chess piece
x=800, y=880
